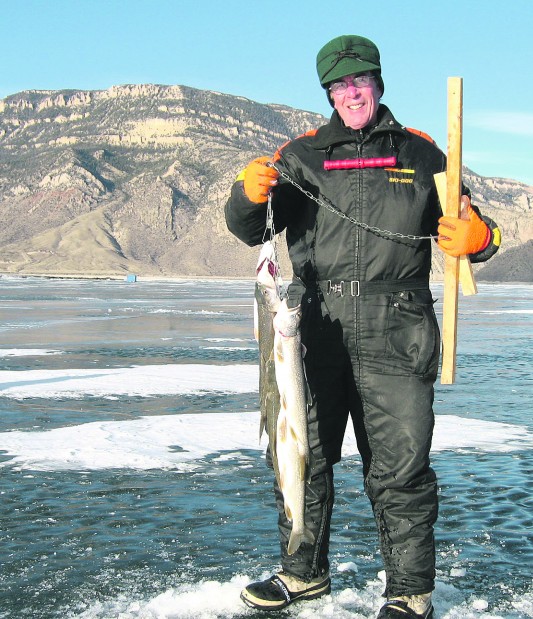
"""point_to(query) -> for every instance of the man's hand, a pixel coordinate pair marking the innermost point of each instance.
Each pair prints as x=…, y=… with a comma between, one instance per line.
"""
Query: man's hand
x=468, y=234
x=259, y=180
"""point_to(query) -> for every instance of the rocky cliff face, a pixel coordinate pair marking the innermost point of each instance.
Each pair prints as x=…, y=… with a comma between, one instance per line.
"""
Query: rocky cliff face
x=134, y=179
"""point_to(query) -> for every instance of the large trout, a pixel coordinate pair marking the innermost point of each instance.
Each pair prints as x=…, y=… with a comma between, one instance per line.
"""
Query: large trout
x=292, y=446
x=277, y=331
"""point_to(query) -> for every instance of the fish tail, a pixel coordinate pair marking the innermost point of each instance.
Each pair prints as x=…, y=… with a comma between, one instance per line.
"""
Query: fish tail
x=298, y=537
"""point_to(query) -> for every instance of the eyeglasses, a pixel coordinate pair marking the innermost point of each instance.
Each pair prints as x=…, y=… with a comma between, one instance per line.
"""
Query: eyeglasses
x=359, y=81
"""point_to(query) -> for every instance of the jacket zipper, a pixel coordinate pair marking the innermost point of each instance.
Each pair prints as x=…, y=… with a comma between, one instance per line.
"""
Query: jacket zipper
x=358, y=207
x=357, y=265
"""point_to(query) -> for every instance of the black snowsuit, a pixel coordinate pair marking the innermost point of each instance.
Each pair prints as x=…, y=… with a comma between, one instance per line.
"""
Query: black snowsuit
x=369, y=328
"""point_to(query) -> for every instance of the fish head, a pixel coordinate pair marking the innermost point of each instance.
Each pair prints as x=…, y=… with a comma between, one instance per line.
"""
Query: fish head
x=270, y=296
x=287, y=320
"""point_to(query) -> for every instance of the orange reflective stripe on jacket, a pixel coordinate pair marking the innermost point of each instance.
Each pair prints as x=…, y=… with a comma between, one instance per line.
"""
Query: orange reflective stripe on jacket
x=277, y=154
x=422, y=135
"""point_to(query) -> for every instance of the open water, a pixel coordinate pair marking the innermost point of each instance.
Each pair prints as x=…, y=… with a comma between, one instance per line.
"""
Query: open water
x=133, y=483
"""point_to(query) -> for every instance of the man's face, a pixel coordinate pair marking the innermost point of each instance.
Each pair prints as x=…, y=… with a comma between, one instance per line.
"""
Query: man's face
x=357, y=103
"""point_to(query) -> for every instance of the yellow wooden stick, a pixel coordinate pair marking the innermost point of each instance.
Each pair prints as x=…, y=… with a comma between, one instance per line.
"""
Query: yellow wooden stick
x=466, y=276
x=453, y=209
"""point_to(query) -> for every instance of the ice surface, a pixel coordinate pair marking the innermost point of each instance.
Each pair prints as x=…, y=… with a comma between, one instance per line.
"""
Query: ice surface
x=28, y=352
x=211, y=599
x=151, y=442
x=146, y=380
x=496, y=366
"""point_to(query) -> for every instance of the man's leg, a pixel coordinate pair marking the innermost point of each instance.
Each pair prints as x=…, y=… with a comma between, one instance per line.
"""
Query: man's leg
x=310, y=561
x=401, y=485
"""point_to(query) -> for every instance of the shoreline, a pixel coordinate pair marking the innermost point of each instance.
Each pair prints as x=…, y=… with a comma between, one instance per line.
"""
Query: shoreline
x=114, y=277
x=181, y=278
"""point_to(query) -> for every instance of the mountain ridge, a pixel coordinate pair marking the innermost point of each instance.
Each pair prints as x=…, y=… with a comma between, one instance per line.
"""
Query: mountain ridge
x=134, y=179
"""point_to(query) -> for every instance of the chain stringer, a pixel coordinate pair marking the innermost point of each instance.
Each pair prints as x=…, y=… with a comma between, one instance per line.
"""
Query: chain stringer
x=352, y=220
x=270, y=230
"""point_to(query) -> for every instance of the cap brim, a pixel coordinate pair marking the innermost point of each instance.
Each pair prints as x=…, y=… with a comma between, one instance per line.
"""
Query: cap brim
x=348, y=66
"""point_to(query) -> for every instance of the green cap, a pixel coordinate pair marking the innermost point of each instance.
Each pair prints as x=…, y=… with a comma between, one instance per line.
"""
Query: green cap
x=345, y=55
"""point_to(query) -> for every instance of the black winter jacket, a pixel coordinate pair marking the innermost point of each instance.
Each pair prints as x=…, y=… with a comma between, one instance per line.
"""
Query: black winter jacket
x=399, y=199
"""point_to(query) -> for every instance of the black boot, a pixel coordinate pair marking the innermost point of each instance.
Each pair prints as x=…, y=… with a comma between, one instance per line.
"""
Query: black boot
x=280, y=590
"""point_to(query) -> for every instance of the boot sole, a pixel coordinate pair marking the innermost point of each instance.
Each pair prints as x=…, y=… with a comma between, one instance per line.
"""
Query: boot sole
x=410, y=613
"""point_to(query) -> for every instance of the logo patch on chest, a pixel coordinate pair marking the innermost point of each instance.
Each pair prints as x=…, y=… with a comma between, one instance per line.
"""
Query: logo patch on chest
x=400, y=175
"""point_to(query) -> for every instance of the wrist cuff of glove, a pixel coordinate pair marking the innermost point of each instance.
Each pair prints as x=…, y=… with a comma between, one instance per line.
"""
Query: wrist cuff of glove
x=492, y=244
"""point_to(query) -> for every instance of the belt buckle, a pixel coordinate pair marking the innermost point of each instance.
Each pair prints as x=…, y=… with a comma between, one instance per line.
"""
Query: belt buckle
x=335, y=288
x=355, y=289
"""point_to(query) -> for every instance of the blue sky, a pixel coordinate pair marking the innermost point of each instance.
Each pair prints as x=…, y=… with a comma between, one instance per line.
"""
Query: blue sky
x=266, y=51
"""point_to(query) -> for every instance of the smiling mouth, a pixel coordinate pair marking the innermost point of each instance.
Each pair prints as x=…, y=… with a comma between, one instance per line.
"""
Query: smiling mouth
x=355, y=107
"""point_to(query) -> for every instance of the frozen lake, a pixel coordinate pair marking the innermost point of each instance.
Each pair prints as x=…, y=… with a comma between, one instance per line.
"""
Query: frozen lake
x=133, y=482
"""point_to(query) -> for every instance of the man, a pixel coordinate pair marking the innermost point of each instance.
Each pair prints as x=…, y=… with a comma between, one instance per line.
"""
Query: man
x=359, y=240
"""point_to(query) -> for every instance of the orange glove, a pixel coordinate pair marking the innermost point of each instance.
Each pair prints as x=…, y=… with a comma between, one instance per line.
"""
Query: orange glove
x=468, y=234
x=259, y=180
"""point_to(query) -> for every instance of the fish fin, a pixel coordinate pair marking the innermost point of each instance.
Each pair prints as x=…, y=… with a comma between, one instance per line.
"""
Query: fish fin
x=296, y=539
x=288, y=512
x=309, y=536
x=302, y=468
x=278, y=348
x=282, y=429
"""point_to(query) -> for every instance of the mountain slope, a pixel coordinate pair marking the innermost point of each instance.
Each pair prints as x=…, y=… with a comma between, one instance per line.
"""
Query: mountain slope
x=135, y=178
